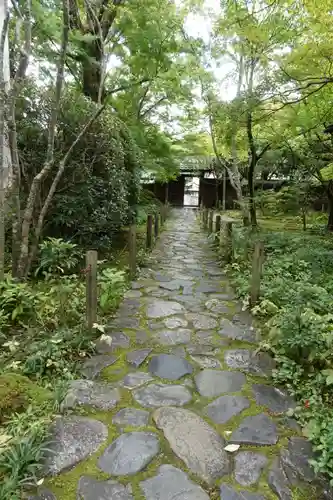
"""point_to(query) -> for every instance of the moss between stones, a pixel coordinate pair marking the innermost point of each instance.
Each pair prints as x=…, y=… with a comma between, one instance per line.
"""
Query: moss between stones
x=17, y=392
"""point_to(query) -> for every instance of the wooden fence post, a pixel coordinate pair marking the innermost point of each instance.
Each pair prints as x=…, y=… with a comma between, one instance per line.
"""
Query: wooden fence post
x=257, y=263
x=217, y=223
x=205, y=218
x=132, y=250
x=210, y=221
x=228, y=235
x=149, y=239
x=156, y=225
x=91, y=288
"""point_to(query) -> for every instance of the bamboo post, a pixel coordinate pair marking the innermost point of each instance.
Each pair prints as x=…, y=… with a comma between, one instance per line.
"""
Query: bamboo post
x=217, y=223
x=91, y=288
x=149, y=239
x=156, y=225
x=132, y=250
x=228, y=235
x=257, y=263
x=210, y=221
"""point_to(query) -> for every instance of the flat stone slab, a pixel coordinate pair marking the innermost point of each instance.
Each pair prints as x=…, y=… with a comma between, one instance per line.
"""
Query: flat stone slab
x=119, y=340
x=235, y=332
x=276, y=400
x=92, y=367
x=295, y=460
x=209, y=287
x=218, y=307
x=72, y=440
x=212, y=383
x=136, y=358
x=201, y=321
x=43, y=495
x=136, y=379
x=169, y=366
x=123, y=320
x=248, y=467
x=131, y=417
x=194, y=442
x=175, y=323
x=256, y=430
x=171, y=484
x=279, y=482
x=87, y=392
x=129, y=453
x=174, y=337
x=260, y=364
x=163, y=308
x=202, y=350
x=229, y=493
x=207, y=362
x=90, y=489
x=225, y=407
x=155, y=395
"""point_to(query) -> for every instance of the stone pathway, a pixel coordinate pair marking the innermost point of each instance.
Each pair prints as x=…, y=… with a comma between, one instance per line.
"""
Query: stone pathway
x=179, y=406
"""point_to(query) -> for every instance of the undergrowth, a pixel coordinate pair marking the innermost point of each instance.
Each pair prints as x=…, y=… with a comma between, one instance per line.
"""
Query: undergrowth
x=295, y=311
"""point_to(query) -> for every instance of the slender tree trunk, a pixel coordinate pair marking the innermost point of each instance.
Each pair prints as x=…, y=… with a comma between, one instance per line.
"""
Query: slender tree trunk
x=5, y=156
x=330, y=206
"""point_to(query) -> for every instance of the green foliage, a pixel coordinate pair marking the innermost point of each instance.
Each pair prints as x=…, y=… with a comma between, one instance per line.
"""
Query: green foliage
x=16, y=302
x=297, y=323
x=57, y=257
x=112, y=284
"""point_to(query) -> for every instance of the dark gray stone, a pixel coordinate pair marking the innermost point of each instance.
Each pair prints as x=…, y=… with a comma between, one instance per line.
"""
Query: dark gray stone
x=201, y=321
x=178, y=350
x=212, y=383
x=173, y=337
x=141, y=337
x=260, y=364
x=235, y=332
x=225, y=407
x=136, y=379
x=136, y=358
x=206, y=362
x=218, y=307
x=129, y=453
x=208, y=287
x=279, y=482
x=248, y=467
x=119, y=340
x=295, y=460
x=125, y=321
x=202, y=350
x=162, y=278
x=291, y=423
x=73, y=439
x=87, y=392
x=169, y=366
x=92, y=367
x=133, y=294
x=276, y=400
x=171, y=483
x=162, y=308
x=155, y=395
x=256, y=430
x=132, y=417
x=90, y=489
x=194, y=442
x=228, y=493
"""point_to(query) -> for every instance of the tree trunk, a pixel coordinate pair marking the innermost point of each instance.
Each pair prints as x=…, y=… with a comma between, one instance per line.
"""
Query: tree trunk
x=252, y=203
x=330, y=206
x=92, y=71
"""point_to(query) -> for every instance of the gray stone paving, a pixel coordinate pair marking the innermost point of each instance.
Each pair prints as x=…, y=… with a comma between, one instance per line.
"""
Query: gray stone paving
x=179, y=384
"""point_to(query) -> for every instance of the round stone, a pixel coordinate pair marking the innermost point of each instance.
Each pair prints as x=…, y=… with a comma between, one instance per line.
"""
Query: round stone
x=169, y=366
x=155, y=395
x=225, y=407
x=73, y=439
x=256, y=430
x=129, y=453
x=235, y=332
x=175, y=323
x=171, y=483
x=212, y=383
x=131, y=417
x=194, y=442
x=163, y=308
x=248, y=467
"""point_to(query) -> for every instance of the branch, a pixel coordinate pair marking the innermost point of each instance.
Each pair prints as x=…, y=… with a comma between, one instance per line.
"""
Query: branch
x=263, y=151
x=153, y=106
x=74, y=16
x=127, y=86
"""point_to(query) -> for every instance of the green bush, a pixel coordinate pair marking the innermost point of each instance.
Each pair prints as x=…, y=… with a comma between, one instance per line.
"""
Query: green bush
x=57, y=257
